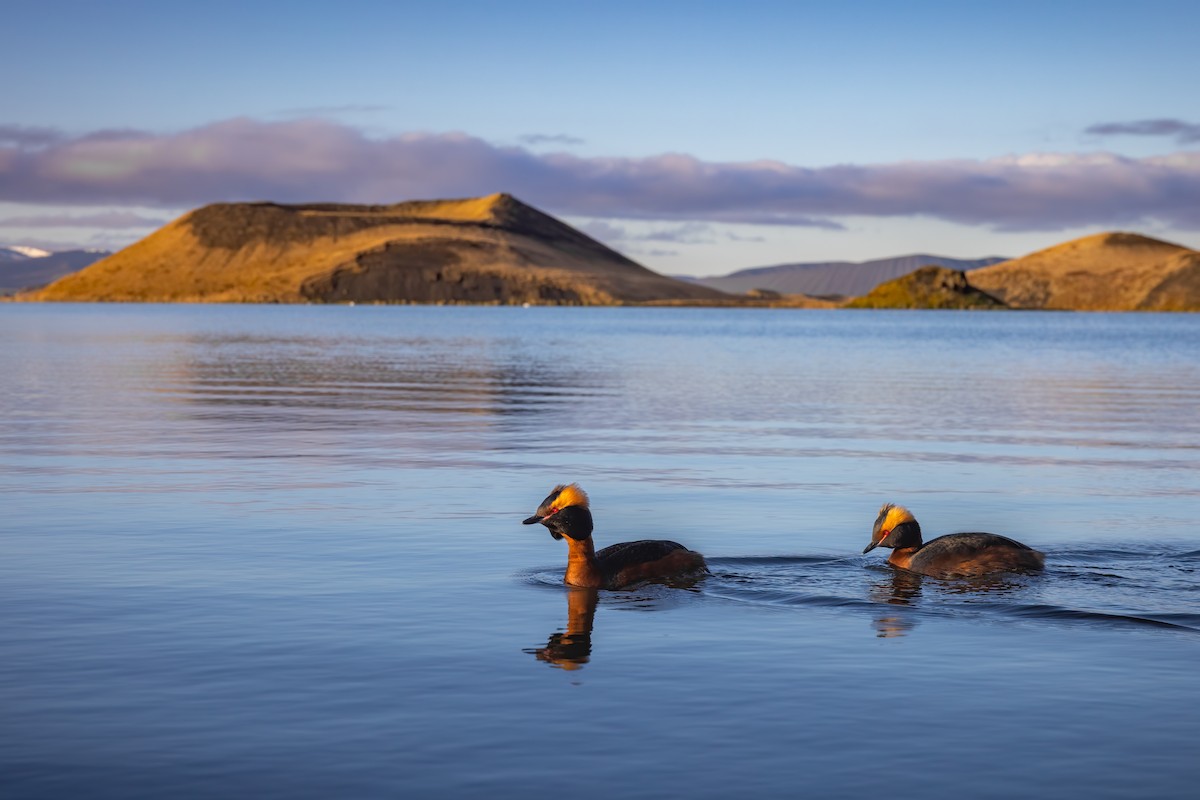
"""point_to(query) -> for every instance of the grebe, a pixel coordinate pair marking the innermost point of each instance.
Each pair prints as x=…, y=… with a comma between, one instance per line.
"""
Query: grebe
x=565, y=512
x=958, y=555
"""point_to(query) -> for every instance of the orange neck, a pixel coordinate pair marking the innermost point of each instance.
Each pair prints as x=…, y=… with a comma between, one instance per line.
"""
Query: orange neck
x=902, y=556
x=581, y=564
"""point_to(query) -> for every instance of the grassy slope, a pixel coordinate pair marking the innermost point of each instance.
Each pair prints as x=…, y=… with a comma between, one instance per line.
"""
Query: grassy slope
x=927, y=287
x=1105, y=272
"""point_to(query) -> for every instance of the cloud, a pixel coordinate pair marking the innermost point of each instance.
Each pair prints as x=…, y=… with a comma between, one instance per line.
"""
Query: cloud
x=1184, y=132
x=686, y=233
x=733, y=237
x=104, y=219
x=535, y=139
x=311, y=160
x=28, y=136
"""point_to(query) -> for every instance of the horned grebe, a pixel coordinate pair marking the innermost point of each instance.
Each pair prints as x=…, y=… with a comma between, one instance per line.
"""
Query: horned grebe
x=958, y=555
x=565, y=512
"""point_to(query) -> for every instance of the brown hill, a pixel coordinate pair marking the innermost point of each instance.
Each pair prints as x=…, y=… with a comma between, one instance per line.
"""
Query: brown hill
x=928, y=287
x=1105, y=272
x=491, y=249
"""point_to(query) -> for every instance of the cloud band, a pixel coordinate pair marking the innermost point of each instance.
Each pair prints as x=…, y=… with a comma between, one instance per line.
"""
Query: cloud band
x=320, y=160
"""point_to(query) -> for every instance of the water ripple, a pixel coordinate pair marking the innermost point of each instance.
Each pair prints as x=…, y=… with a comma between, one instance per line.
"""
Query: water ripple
x=1069, y=591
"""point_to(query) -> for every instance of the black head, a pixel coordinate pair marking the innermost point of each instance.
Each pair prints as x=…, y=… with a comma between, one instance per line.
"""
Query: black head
x=894, y=527
x=565, y=513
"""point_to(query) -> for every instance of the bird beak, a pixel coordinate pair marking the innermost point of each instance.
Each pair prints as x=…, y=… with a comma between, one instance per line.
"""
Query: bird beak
x=533, y=519
x=866, y=549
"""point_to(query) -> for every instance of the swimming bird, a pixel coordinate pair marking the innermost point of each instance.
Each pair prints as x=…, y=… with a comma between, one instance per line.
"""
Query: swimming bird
x=957, y=555
x=566, y=513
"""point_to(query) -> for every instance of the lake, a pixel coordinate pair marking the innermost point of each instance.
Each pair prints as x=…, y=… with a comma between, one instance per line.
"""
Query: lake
x=273, y=551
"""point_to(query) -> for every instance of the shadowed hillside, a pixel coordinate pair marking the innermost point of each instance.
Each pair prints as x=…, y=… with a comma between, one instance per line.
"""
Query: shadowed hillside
x=927, y=287
x=491, y=249
x=1105, y=272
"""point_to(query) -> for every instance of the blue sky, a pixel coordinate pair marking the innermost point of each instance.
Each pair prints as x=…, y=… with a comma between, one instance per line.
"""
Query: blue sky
x=697, y=137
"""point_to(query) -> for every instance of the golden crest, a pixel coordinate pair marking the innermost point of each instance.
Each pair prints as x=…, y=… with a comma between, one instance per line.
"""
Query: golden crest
x=570, y=495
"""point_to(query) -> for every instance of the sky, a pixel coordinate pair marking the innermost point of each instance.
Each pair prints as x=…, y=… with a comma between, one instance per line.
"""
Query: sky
x=699, y=138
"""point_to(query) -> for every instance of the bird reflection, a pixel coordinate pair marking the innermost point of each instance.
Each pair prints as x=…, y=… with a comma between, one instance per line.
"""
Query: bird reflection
x=571, y=648
x=899, y=588
x=1000, y=583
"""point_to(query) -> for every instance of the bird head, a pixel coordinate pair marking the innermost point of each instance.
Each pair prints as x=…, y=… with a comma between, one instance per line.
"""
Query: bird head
x=894, y=527
x=565, y=512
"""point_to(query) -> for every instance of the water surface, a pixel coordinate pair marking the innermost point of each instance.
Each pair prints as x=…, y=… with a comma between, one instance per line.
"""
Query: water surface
x=276, y=551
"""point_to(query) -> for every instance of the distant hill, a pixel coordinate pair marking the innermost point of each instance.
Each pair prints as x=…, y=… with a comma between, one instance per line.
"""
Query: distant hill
x=826, y=278
x=20, y=253
x=1105, y=272
x=927, y=287
x=30, y=268
x=492, y=249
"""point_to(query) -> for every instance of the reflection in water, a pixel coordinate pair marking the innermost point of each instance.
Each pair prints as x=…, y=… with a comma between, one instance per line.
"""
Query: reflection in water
x=900, y=588
x=214, y=515
x=454, y=376
x=571, y=648
x=904, y=588
x=994, y=584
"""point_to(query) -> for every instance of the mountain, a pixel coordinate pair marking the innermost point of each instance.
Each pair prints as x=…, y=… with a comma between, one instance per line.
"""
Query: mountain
x=1104, y=272
x=827, y=278
x=927, y=287
x=28, y=268
x=492, y=249
x=16, y=252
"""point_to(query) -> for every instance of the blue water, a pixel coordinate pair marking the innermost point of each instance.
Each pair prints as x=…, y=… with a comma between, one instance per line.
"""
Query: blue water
x=277, y=552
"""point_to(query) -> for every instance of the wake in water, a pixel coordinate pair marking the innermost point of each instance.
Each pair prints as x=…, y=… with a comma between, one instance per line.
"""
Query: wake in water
x=1115, y=588
x=1110, y=587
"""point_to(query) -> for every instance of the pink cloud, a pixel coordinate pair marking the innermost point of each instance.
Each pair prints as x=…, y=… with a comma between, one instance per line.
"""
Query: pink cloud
x=319, y=160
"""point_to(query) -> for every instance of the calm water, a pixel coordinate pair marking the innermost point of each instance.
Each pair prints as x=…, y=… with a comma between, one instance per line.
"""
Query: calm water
x=277, y=552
